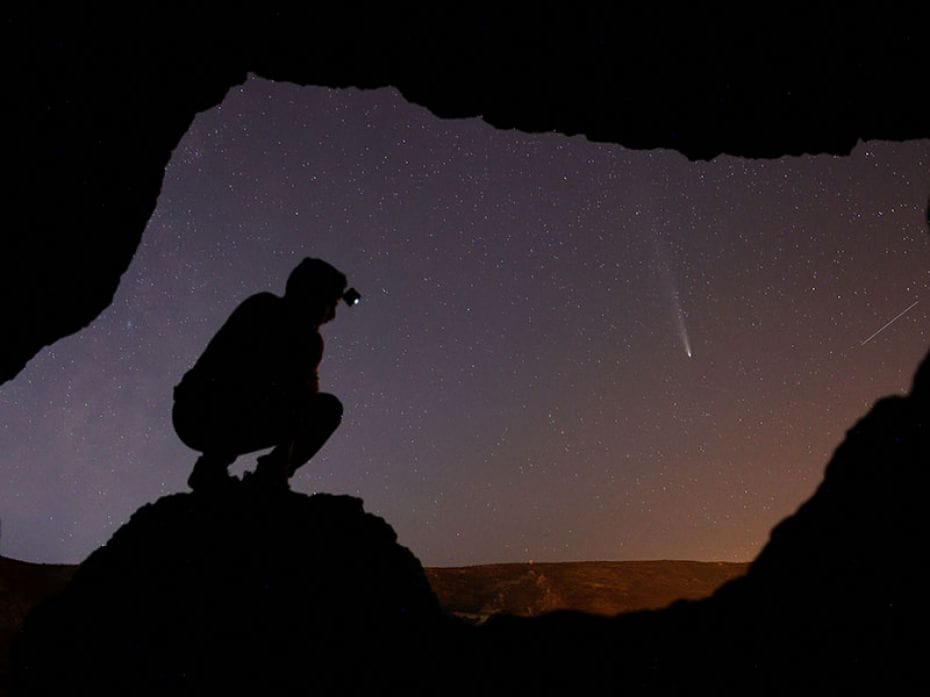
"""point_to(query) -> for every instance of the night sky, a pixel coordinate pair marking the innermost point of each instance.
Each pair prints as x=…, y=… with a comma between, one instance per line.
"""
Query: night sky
x=564, y=350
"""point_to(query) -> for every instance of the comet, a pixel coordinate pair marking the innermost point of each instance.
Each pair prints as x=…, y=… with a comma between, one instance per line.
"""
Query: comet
x=682, y=329
x=671, y=288
x=890, y=322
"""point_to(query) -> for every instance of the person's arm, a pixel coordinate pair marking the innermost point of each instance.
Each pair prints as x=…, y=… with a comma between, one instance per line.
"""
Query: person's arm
x=313, y=358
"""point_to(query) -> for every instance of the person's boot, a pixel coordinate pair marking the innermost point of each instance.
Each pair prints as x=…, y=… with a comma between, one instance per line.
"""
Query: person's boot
x=211, y=473
x=271, y=473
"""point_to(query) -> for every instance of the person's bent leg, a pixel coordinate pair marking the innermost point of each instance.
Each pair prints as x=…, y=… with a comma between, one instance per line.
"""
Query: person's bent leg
x=191, y=418
x=223, y=424
x=317, y=416
x=318, y=422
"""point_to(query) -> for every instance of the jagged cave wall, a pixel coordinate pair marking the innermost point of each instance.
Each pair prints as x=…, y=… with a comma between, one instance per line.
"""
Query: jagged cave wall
x=102, y=96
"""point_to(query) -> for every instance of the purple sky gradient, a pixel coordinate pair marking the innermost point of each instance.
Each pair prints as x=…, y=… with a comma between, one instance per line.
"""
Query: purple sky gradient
x=517, y=379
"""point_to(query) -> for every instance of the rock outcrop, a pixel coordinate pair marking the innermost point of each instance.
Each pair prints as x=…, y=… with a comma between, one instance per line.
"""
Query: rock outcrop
x=245, y=592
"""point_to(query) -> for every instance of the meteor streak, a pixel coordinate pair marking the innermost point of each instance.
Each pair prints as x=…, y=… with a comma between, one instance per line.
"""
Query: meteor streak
x=889, y=323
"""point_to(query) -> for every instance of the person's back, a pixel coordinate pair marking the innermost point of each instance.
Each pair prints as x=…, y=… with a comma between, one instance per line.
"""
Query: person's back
x=259, y=347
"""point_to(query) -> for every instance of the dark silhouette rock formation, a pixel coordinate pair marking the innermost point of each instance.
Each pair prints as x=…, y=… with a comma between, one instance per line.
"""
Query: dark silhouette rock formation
x=100, y=97
x=472, y=593
x=249, y=592
x=22, y=587
x=291, y=593
x=840, y=582
x=836, y=603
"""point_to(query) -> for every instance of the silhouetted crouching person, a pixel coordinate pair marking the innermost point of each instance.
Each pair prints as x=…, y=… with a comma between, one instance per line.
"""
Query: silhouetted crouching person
x=256, y=385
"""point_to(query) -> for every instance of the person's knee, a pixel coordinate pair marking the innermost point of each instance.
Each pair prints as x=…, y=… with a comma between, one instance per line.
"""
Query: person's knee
x=329, y=407
x=321, y=414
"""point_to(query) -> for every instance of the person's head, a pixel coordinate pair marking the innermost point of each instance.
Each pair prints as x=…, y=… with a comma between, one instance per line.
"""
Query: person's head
x=313, y=289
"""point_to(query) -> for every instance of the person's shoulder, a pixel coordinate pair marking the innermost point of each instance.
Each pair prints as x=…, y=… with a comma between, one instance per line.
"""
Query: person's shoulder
x=257, y=309
x=265, y=298
x=261, y=302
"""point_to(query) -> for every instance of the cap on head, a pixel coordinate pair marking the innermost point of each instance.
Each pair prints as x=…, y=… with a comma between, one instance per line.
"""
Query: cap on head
x=315, y=279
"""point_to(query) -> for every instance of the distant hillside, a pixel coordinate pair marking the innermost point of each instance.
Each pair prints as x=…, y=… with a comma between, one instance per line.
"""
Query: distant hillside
x=598, y=587
x=472, y=592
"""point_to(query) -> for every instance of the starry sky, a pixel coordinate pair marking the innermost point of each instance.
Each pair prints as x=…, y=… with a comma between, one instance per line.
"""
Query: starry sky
x=565, y=350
